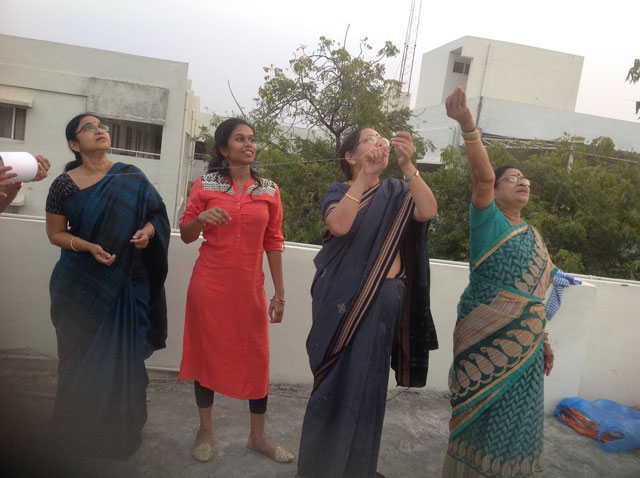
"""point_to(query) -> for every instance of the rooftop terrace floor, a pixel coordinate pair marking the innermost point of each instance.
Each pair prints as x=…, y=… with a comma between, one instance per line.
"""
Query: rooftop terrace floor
x=413, y=441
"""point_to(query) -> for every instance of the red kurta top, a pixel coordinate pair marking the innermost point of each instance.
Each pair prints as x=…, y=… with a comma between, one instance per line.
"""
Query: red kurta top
x=226, y=335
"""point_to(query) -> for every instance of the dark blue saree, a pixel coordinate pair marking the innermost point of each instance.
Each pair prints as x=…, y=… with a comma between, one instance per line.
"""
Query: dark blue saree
x=362, y=322
x=108, y=319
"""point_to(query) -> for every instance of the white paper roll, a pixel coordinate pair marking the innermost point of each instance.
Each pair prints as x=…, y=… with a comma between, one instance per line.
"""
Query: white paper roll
x=22, y=163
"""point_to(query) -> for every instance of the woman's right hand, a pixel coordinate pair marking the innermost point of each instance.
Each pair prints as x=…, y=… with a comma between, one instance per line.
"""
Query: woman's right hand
x=4, y=176
x=216, y=216
x=375, y=161
x=458, y=110
x=100, y=255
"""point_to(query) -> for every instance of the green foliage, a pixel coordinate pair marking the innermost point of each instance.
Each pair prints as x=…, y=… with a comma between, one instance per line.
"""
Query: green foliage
x=332, y=91
x=587, y=209
x=302, y=186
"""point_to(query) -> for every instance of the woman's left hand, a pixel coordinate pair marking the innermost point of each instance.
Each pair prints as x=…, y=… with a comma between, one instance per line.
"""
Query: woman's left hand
x=140, y=239
x=548, y=359
x=276, y=311
x=404, y=144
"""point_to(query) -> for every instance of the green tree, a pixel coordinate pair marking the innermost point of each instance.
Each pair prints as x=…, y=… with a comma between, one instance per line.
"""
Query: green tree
x=586, y=208
x=330, y=91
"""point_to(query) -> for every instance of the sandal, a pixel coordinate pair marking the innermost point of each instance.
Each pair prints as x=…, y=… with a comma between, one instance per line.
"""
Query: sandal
x=202, y=451
x=280, y=454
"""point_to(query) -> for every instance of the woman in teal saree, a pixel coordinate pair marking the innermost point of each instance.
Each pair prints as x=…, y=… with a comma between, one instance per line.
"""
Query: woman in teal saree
x=108, y=302
x=501, y=351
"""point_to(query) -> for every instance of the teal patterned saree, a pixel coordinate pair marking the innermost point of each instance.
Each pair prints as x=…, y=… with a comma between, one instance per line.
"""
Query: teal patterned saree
x=496, y=379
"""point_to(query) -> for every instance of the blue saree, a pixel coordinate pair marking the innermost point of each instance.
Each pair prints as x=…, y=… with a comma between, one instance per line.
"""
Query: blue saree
x=362, y=321
x=496, y=380
x=108, y=319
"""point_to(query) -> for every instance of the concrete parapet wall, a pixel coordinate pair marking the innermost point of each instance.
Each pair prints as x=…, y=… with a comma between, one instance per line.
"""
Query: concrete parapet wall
x=594, y=335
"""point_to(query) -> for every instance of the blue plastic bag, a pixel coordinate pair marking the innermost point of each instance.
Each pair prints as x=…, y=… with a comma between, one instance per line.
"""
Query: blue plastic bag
x=615, y=420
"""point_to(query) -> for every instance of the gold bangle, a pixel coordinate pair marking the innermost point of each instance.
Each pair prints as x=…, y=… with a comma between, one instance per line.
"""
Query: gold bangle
x=470, y=134
x=477, y=140
x=352, y=198
x=279, y=301
x=71, y=244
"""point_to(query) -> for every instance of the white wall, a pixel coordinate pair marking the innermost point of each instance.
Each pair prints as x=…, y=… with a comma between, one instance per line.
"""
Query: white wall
x=594, y=335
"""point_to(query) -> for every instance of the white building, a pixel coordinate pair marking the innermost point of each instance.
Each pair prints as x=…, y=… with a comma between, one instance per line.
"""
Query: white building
x=513, y=91
x=147, y=102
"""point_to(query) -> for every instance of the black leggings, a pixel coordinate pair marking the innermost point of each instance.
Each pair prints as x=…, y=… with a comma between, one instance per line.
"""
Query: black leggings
x=204, y=399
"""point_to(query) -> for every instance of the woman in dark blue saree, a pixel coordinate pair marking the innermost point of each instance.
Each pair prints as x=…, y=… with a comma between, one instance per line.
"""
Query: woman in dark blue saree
x=370, y=301
x=107, y=294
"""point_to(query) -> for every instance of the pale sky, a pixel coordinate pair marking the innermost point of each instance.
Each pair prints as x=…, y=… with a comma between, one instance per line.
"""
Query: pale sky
x=232, y=40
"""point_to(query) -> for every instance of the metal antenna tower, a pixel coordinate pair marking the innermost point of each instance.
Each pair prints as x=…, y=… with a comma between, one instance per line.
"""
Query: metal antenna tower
x=410, y=46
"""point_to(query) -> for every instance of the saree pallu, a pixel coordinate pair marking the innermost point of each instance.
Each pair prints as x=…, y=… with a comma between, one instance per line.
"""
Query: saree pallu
x=360, y=320
x=496, y=379
x=108, y=319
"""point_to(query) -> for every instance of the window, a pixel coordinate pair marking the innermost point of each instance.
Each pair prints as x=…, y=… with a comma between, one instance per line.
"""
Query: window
x=130, y=138
x=461, y=67
x=201, y=151
x=13, y=120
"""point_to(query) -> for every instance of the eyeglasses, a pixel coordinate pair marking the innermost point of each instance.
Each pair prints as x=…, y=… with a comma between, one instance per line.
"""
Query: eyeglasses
x=374, y=140
x=512, y=178
x=92, y=128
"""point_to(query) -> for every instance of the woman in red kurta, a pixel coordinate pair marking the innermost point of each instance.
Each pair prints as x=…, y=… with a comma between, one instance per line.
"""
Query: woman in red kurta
x=226, y=336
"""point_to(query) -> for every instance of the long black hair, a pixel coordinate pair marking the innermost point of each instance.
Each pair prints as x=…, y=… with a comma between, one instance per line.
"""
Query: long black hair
x=221, y=140
x=70, y=133
x=500, y=172
x=349, y=144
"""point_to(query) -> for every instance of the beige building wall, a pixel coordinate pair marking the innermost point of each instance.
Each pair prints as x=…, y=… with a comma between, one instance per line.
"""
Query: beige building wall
x=57, y=81
x=500, y=70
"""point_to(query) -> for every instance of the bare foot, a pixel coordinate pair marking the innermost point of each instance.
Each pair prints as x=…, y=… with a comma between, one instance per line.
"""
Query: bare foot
x=263, y=446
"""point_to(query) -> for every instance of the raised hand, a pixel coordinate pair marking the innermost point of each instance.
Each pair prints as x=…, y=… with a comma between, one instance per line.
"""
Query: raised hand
x=375, y=161
x=458, y=110
x=404, y=144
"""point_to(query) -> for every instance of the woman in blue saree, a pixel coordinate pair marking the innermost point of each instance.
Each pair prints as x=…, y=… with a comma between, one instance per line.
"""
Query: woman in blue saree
x=501, y=350
x=370, y=300
x=107, y=294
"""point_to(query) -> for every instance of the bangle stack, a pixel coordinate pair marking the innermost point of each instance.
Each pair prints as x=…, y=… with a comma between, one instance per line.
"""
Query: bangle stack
x=279, y=301
x=412, y=177
x=471, y=136
x=545, y=336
